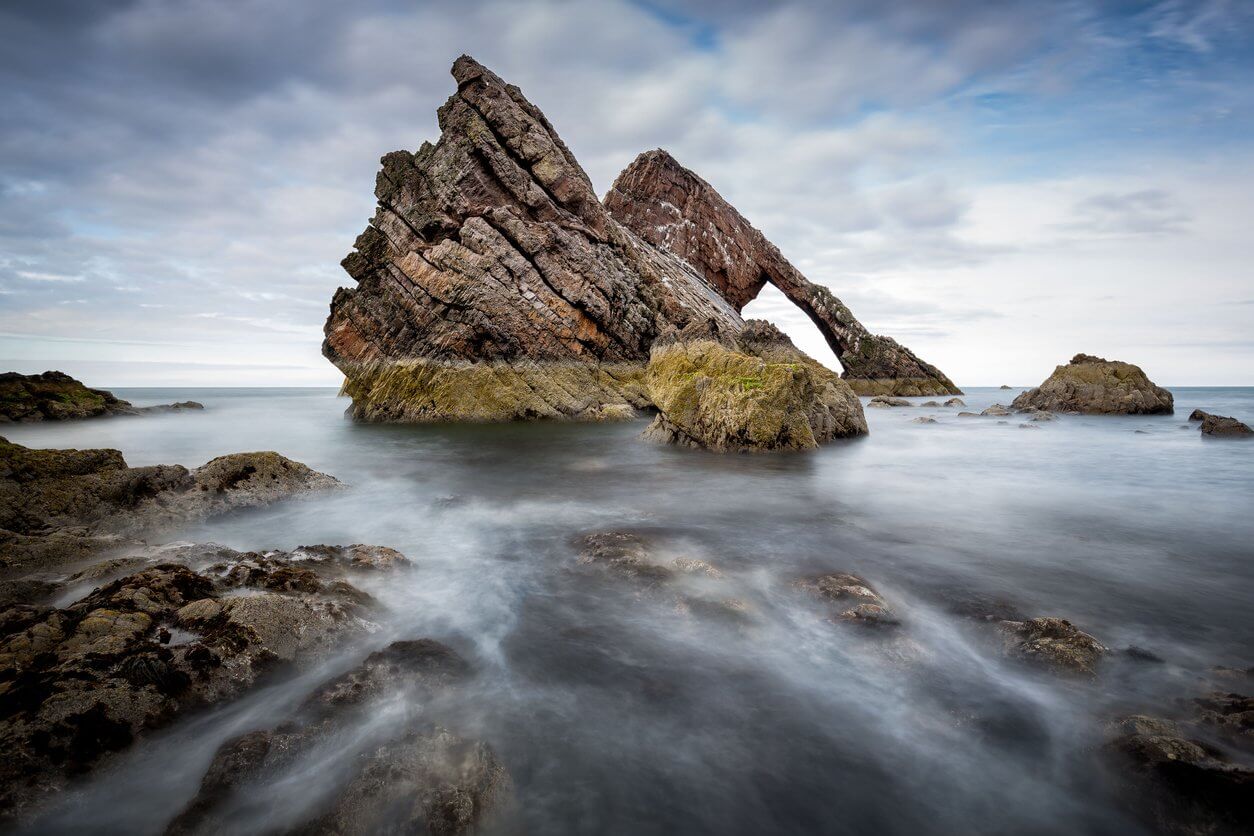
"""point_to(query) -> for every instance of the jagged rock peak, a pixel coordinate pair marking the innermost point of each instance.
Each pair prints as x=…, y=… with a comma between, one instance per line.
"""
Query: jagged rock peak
x=493, y=285
x=674, y=209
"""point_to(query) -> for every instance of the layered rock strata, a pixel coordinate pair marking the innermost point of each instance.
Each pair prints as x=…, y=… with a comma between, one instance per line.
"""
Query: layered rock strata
x=678, y=212
x=493, y=285
x=1097, y=386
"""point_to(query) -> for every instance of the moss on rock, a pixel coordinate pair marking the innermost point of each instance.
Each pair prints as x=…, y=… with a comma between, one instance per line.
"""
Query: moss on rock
x=761, y=394
x=432, y=391
x=1100, y=387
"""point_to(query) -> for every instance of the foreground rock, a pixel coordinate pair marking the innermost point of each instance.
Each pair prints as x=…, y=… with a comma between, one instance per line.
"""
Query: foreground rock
x=80, y=682
x=411, y=777
x=1098, y=387
x=1053, y=643
x=854, y=599
x=55, y=396
x=1219, y=426
x=751, y=393
x=675, y=210
x=58, y=506
x=693, y=584
x=1194, y=775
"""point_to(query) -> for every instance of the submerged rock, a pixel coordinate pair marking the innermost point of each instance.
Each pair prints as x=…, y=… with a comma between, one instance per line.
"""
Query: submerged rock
x=55, y=396
x=673, y=209
x=854, y=598
x=1096, y=386
x=80, y=682
x=1054, y=643
x=757, y=392
x=923, y=419
x=1179, y=780
x=410, y=777
x=58, y=506
x=1218, y=425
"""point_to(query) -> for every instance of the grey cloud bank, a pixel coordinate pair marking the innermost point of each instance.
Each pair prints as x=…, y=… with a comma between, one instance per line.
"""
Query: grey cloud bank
x=178, y=181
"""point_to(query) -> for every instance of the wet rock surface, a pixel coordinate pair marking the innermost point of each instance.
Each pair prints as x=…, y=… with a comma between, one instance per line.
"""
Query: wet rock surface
x=410, y=777
x=1219, y=426
x=1193, y=774
x=752, y=393
x=675, y=210
x=852, y=598
x=82, y=681
x=59, y=506
x=1096, y=386
x=1053, y=643
x=55, y=396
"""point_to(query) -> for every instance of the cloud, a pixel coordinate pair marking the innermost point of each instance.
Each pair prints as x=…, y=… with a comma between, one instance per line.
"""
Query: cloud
x=1150, y=212
x=168, y=159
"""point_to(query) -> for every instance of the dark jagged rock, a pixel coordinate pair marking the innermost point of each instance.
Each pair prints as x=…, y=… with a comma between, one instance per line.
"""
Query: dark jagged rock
x=1099, y=387
x=411, y=778
x=80, y=682
x=676, y=211
x=1220, y=426
x=62, y=505
x=55, y=396
x=493, y=285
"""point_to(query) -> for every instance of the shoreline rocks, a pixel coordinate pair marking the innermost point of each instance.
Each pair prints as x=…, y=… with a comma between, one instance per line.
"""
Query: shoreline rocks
x=55, y=396
x=202, y=626
x=57, y=506
x=1095, y=386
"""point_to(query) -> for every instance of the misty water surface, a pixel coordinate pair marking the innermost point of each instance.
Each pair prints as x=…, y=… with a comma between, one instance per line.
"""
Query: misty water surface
x=618, y=710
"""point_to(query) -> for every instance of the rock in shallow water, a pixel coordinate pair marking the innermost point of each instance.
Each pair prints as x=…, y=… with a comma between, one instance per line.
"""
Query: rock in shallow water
x=755, y=393
x=1053, y=642
x=55, y=396
x=58, y=506
x=1222, y=427
x=80, y=682
x=1096, y=386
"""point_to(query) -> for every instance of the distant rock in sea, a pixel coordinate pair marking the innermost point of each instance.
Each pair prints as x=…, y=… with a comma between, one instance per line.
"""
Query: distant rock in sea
x=1096, y=386
x=1221, y=426
x=493, y=285
x=55, y=396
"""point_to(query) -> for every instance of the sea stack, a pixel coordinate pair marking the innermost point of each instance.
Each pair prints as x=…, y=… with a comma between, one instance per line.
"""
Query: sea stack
x=1096, y=386
x=492, y=285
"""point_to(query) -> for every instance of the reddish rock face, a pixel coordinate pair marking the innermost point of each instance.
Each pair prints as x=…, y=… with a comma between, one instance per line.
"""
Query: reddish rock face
x=491, y=245
x=676, y=211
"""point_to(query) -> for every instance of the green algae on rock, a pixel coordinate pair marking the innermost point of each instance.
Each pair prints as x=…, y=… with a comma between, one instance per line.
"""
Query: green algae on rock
x=55, y=396
x=420, y=391
x=757, y=393
x=1099, y=387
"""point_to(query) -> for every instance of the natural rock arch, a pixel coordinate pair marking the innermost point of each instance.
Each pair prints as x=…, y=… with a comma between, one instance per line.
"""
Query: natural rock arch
x=675, y=210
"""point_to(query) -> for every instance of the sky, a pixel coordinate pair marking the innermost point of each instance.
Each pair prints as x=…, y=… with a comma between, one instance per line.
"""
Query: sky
x=998, y=185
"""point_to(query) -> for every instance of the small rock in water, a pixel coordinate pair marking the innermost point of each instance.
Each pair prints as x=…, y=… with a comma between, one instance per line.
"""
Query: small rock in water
x=1218, y=425
x=997, y=410
x=854, y=597
x=1054, y=642
x=1197, y=415
x=1004, y=386
x=930, y=403
x=881, y=401
x=955, y=402
x=1139, y=432
x=1027, y=426
x=968, y=415
x=923, y=419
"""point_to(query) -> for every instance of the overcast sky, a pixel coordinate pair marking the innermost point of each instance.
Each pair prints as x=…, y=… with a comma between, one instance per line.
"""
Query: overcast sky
x=999, y=185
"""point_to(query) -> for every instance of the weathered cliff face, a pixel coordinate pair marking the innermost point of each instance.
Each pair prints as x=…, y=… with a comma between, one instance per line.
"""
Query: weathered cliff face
x=493, y=285
x=678, y=212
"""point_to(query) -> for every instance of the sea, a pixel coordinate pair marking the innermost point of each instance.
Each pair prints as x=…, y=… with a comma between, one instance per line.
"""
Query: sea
x=617, y=708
